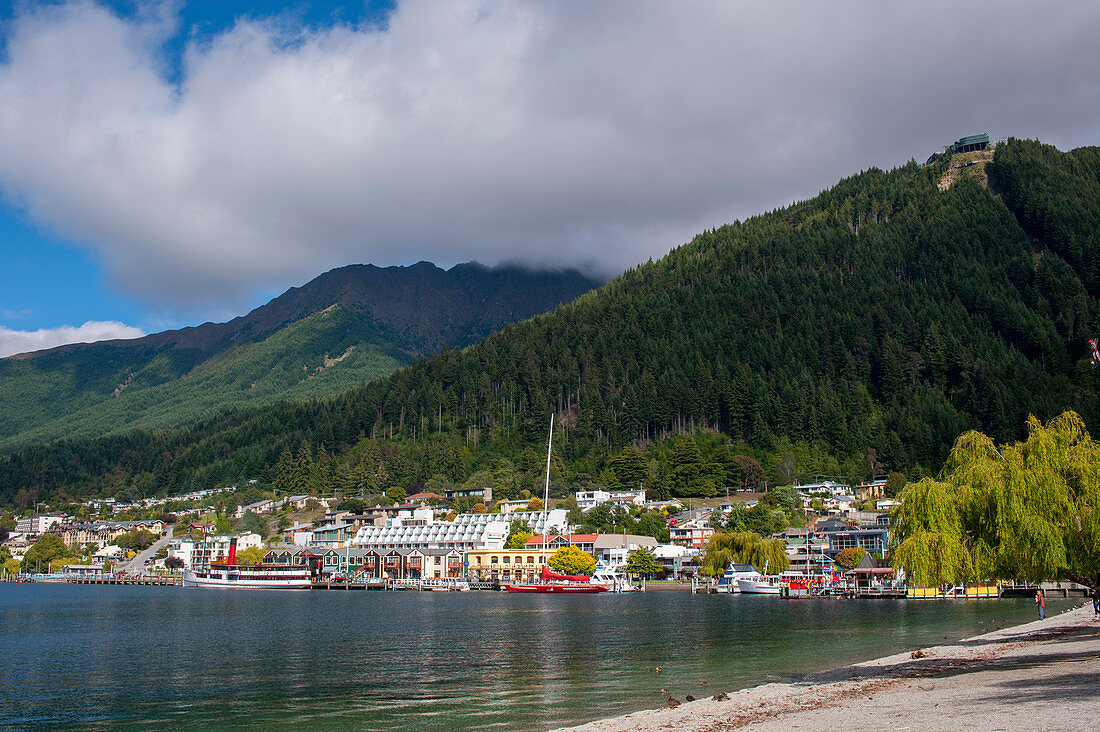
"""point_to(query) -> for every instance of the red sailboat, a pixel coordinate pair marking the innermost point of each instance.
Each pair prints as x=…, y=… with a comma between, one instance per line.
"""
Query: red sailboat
x=552, y=582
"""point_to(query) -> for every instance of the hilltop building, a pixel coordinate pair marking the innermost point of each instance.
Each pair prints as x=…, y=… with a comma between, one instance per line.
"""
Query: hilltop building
x=970, y=143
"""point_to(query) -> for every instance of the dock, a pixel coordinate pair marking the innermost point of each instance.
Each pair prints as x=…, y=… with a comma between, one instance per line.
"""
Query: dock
x=125, y=579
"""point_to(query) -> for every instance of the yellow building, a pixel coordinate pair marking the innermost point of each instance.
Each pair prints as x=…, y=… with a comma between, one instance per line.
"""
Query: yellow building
x=506, y=565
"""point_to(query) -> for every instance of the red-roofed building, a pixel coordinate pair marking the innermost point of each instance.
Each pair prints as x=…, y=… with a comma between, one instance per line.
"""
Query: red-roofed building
x=424, y=497
x=584, y=542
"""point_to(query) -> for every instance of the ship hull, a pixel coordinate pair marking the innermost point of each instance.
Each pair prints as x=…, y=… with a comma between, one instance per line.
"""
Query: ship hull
x=231, y=579
x=578, y=589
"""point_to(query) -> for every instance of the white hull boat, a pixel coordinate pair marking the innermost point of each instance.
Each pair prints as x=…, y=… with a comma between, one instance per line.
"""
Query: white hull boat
x=760, y=585
x=249, y=577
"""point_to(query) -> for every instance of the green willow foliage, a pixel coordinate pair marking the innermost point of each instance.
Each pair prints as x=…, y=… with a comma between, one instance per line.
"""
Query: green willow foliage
x=880, y=314
x=722, y=549
x=1028, y=510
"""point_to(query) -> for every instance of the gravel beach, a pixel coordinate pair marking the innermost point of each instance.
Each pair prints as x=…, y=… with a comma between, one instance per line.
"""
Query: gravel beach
x=1043, y=675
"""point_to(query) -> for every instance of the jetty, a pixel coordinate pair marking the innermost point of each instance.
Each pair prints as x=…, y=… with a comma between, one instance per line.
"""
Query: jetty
x=123, y=579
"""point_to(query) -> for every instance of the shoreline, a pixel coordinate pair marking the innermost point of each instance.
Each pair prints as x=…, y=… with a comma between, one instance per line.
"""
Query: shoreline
x=998, y=680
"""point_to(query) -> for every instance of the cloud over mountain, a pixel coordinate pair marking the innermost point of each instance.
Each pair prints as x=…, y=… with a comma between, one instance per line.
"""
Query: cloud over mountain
x=24, y=341
x=594, y=134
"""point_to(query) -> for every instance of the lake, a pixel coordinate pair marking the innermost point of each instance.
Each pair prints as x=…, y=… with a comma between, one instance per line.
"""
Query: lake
x=107, y=657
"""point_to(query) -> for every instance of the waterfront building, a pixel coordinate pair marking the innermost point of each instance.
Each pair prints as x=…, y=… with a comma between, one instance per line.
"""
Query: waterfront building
x=676, y=560
x=82, y=570
x=807, y=552
x=468, y=531
x=872, y=539
x=614, y=549
x=506, y=565
x=370, y=564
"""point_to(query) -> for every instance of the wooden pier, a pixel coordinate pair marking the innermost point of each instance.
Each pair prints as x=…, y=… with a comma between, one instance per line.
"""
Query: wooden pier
x=125, y=580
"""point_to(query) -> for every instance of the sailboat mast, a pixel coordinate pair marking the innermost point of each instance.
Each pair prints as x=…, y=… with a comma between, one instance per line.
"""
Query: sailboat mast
x=546, y=491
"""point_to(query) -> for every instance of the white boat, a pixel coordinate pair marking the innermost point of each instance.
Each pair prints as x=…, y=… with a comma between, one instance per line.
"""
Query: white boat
x=727, y=583
x=760, y=585
x=230, y=575
x=612, y=577
x=249, y=577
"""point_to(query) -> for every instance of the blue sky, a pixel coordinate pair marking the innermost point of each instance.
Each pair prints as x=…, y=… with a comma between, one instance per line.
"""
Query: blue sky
x=167, y=163
x=50, y=282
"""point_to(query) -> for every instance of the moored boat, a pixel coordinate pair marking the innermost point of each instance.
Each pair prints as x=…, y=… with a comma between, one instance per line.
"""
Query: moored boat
x=230, y=575
x=552, y=582
x=760, y=584
x=612, y=577
x=727, y=583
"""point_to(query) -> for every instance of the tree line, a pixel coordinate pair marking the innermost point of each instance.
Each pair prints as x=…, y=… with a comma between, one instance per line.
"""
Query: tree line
x=869, y=325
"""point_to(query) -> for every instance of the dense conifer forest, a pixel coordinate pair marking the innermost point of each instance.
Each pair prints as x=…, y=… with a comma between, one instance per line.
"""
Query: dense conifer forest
x=860, y=331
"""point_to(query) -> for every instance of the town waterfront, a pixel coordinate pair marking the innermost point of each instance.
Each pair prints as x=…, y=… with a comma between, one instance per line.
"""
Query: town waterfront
x=132, y=657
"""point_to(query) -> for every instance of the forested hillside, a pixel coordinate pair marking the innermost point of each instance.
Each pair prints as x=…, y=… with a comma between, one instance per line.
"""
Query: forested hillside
x=344, y=328
x=881, y=315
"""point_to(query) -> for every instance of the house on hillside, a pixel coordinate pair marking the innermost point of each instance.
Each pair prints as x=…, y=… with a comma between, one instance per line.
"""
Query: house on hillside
x=970, y=143
x=692, y=533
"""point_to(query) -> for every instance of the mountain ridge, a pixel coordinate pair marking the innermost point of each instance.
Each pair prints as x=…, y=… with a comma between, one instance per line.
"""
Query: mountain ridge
x=392, y=314
x=864, y=328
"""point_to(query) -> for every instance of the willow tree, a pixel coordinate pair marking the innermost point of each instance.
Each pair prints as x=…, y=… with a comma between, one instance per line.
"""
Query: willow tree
x=744, y=547
x=1028, y=510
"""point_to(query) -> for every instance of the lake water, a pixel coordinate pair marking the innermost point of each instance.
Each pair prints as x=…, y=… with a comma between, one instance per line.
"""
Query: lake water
x=104, y=657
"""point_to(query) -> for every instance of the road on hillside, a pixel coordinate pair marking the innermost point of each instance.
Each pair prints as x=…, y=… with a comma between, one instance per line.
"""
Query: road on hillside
x=137, y=564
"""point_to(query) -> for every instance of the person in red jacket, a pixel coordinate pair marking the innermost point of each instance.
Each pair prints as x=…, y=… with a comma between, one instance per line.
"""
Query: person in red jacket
x=1041, y=603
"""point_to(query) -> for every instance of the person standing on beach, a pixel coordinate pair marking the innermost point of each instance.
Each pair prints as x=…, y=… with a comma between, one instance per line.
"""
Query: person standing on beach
x=1041, y=603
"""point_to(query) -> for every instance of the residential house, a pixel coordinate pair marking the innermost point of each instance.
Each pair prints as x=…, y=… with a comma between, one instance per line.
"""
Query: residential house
x=482, y=495
x=332, y=535
x=692, y=533
x=264, y=506
x=520, y=504
x=874, y=489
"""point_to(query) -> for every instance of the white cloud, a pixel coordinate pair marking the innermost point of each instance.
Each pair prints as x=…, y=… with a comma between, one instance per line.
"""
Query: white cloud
x=25, y=341
x=594, y=134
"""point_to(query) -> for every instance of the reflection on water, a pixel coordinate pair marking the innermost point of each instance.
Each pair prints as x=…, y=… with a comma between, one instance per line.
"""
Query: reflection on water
x=149, y=657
